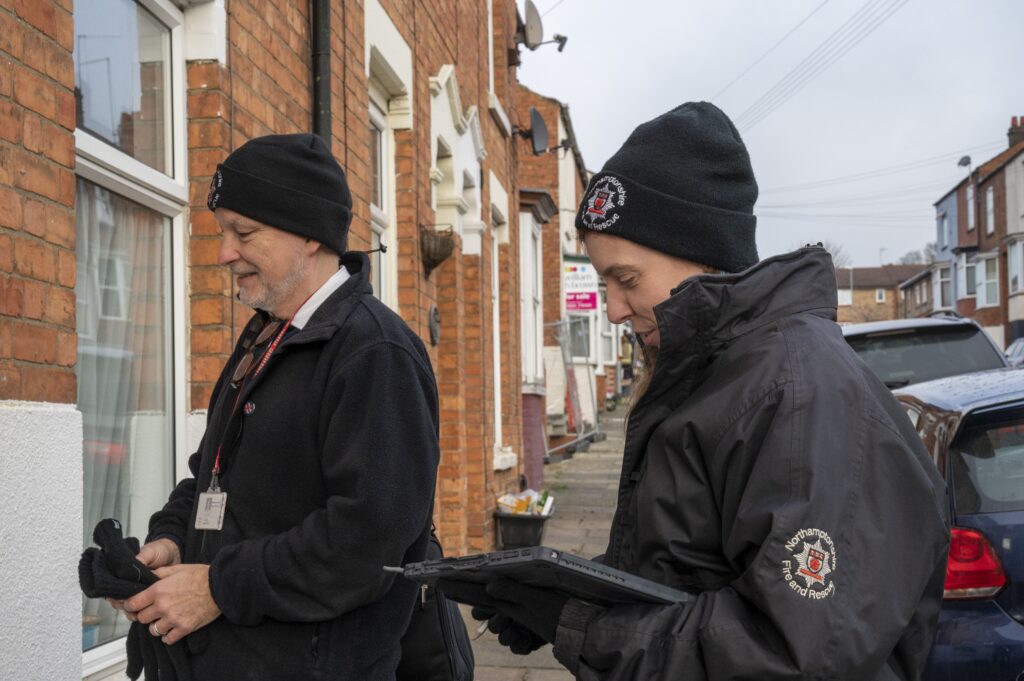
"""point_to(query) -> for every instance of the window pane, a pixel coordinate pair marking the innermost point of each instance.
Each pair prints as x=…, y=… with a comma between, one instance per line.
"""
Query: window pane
x=987, y=463
x=972, y=286
x=376, y=153
x=1012, y=256
x=123, y=79
x=124, y=373
x=900, y=359
x=579, y=336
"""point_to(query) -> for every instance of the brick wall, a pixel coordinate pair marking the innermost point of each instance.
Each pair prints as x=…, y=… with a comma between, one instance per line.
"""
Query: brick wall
x=541, y=172
x=37, y=200
x=867, y=309
x=264, y=88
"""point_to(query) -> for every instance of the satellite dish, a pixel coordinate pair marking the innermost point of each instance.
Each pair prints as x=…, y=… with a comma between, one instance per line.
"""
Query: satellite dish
x=538, y=131
x=533, y=31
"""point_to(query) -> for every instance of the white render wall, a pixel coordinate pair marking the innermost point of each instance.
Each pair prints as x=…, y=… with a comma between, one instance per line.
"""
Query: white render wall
x=40, y=540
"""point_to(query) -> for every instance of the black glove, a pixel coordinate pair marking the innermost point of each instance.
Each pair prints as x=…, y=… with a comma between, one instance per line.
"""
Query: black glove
x=113, y=571
x=518, y=638
x=536, y=609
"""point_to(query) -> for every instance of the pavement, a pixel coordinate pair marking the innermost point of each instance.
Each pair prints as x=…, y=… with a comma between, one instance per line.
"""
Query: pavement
x=584, y=488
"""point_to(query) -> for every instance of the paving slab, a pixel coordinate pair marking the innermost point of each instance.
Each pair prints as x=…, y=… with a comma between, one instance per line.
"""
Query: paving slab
x=585, y=494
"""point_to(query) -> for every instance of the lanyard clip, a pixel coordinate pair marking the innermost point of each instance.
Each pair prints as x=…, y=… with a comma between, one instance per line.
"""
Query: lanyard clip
x=215, y=482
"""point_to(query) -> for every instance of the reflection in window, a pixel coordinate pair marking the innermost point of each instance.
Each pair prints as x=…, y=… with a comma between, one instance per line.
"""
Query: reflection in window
x=124, y=372
x=579, y=335
x=123, y=79
x=987, y=463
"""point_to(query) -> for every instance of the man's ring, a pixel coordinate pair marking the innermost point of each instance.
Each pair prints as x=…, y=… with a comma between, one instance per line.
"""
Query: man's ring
x=156, y=632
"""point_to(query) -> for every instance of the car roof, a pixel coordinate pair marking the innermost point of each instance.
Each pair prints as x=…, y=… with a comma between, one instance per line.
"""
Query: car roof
x=967, y=392
x=866, y=328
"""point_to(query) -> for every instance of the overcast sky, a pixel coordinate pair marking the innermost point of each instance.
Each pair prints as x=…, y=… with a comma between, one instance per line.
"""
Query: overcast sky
x=876, y=99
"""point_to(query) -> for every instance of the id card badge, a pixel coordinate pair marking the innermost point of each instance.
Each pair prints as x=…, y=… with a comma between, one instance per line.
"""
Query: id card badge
x=210, y=514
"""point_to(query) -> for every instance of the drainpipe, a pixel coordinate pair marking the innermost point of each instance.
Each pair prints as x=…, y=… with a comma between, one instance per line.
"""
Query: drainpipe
x=321, y=13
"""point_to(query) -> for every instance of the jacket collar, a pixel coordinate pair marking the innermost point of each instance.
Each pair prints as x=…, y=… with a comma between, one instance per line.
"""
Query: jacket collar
x=331, y=314
x=708, y=311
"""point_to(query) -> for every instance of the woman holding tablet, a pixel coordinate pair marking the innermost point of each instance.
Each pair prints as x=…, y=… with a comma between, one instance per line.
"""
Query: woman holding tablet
x=765, y=469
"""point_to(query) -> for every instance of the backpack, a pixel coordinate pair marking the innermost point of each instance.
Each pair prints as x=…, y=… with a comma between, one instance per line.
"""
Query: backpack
x=436, y=645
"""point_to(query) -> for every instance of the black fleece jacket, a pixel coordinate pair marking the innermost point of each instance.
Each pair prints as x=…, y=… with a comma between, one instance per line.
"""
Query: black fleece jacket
x=329, y=467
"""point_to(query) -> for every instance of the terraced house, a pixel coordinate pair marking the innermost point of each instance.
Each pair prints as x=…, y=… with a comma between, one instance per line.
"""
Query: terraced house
x=115, y=317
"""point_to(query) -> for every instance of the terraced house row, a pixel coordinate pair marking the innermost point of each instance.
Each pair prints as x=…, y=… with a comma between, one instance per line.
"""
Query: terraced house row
x=979, y=229
x=115, y=317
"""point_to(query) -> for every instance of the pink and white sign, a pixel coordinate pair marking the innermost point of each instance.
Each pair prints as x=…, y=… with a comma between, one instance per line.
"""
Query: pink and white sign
x=581, y=301
x=580, y=281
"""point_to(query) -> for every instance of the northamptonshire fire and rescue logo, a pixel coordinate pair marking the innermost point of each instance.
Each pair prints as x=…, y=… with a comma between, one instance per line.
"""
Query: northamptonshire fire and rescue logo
x=810, y=571
x=603, y=202
x=214, y=196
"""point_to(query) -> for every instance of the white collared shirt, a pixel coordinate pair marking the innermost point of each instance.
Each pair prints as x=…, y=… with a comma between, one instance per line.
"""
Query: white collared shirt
x=303, y=314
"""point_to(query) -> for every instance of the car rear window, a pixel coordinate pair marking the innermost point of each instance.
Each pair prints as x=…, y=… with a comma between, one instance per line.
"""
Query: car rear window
x=910, y=356
x=987, y=462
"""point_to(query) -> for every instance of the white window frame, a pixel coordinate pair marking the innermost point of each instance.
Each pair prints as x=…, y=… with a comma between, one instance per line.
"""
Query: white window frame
x=970, y=206
x=581, y=359
x=382, y=223
x=114, y=170
x=879, y=295
x=1014, y=267
x=608, y=335
x=531, y=300
x=937, y=282
x=990, y=210
x=983, y=297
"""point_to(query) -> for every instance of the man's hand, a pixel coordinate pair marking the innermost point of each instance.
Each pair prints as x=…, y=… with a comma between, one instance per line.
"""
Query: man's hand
x=177, y=605
x=159, y=553
x=155, y=554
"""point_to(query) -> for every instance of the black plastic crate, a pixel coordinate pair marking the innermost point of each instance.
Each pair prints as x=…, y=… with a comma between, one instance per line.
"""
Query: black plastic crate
x=519, y=530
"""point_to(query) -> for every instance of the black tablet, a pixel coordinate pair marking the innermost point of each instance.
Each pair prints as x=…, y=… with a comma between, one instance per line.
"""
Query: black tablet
x=548, y=568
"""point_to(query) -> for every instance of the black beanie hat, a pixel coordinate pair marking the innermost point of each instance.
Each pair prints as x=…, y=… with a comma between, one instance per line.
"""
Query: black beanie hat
x=681, y=184
x=290, y=182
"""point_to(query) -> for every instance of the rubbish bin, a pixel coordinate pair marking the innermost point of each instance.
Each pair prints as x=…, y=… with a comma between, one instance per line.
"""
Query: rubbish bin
x=519, y=530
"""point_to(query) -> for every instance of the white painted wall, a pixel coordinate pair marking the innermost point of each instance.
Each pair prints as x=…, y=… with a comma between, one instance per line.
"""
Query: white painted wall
x=40, y=540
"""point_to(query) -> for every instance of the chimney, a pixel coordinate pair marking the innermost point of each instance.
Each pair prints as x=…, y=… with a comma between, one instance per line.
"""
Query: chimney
x=1015, y=134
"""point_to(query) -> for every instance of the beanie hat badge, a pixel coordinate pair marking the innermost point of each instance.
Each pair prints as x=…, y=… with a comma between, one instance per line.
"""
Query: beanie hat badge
x=690, y=186
x=602, y=203
x=290, y=182
x=214, y=196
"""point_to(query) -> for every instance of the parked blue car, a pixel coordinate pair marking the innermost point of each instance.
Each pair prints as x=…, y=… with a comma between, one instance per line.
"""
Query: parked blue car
x=973, y=427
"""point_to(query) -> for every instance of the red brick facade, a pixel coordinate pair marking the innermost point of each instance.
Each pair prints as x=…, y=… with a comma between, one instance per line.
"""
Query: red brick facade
x=37, y=201
x=263, y=87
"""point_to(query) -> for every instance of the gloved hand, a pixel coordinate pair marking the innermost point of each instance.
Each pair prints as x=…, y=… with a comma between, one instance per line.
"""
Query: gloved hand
x=524, y=617
x=536, y=609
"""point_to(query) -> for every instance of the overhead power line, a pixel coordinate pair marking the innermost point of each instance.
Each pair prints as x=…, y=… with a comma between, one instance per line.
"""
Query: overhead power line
x=882, y=172
x=770, y=50
x=549, y=10
x=869, y=17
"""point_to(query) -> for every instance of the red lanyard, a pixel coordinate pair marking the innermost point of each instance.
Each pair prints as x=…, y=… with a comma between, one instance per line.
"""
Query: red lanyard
x=214, y=485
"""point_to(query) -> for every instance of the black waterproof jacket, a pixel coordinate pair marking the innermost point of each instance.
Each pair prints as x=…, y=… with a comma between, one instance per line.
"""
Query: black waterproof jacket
x=329, y=466
x=770, y=473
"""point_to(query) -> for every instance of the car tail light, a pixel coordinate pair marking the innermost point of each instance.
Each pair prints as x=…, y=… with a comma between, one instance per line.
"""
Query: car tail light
x=973, y=569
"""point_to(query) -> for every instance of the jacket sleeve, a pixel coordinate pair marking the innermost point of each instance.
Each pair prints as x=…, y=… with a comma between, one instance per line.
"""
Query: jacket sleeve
x=833, y=518
x=172, y=520
x=379, y=461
